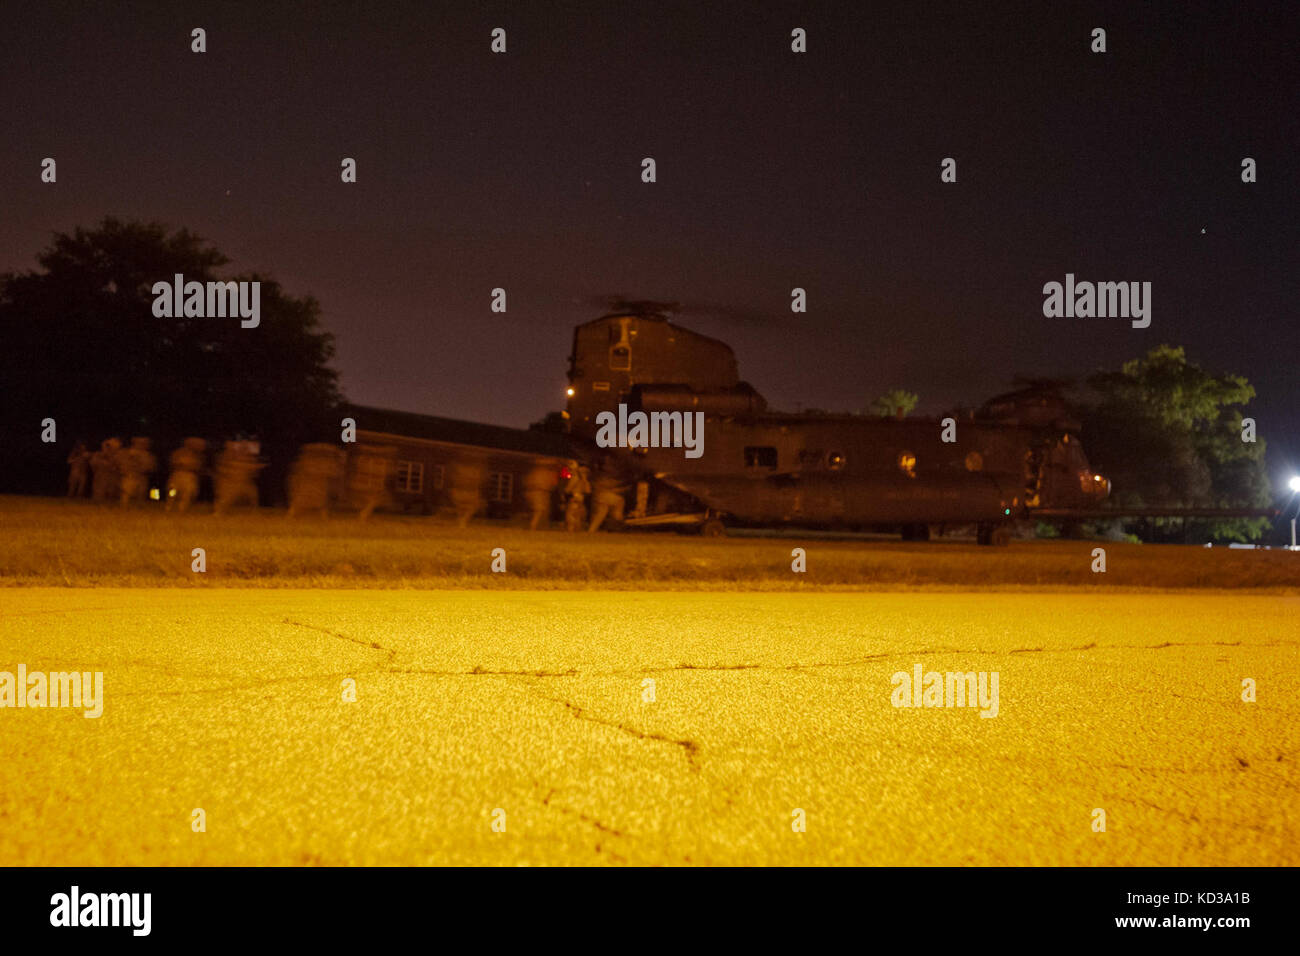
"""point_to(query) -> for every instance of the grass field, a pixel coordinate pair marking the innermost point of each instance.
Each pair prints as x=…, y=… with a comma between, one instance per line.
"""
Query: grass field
x=57, y=542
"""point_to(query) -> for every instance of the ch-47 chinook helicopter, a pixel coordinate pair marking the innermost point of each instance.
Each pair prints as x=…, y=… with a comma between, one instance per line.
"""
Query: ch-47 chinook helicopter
x=1019, y=454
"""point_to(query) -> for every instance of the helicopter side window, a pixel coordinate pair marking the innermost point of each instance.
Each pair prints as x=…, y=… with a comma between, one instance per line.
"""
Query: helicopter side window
x=620, y=358
x=760, y=456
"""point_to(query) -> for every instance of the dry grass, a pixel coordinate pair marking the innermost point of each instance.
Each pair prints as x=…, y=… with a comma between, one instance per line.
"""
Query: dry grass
x=54, y=542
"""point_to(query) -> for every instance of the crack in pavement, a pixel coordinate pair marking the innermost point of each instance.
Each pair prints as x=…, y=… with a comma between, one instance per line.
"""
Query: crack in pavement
x=603, y=827
x=1192, y=817
x=392, y=653
x=885, y=655
x=484, y=672
x=479, y=671
x=592, y=821
x=690, y=747
x=1189, y=817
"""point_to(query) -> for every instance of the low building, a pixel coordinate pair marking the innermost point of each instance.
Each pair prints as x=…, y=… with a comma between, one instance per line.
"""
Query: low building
x=430, y=448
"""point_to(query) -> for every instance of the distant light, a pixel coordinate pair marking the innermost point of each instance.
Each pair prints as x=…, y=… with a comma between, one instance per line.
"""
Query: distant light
x=569, y=391
x=153, y=494
x=1294, y=483
x=1006, y=511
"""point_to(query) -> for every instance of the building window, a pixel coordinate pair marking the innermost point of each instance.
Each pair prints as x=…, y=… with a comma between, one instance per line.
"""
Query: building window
x=760, y=456
x=835, y=461
x=435, y=477
x=410, y=476
x=907, y=464
x=501, y=486
x=620, y=358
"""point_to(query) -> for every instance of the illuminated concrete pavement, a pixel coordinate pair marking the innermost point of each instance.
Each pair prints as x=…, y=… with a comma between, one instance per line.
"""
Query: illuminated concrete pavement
x=534, y=703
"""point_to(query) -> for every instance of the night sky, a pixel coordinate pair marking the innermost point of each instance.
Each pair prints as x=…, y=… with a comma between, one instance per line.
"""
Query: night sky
x=775, y=170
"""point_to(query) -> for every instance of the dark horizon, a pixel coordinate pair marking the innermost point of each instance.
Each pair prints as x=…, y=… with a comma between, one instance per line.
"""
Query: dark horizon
x=775, y=170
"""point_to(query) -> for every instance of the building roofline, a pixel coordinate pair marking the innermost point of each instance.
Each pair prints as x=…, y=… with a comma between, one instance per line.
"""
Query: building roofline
x=417, y=426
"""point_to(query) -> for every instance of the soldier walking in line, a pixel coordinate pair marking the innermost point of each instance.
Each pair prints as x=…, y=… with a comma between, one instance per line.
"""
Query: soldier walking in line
x=236, y=473
x=183, y=482
x=103, y=464
x=135, y=465
x=642, y=499
x=539, y=489
x=313, y=478
x=371, y=467
x=467, y=473
x=78, y=470
x=608, y=499
x=576, y=490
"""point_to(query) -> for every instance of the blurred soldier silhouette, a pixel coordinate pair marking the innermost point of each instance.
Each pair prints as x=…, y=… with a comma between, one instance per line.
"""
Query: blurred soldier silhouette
x=576, y=490
x=642, y=499
x=78, y=470
x=236, y=473
x=183, y=482
x=608, y=498
x=368, y=476
x=539, y=489
x=103, y=464
x=313, y=478
x=135, y=465
x=467, y=473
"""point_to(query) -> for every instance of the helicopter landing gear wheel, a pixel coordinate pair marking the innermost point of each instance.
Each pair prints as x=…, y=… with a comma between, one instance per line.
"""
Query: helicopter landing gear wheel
x=713, y=528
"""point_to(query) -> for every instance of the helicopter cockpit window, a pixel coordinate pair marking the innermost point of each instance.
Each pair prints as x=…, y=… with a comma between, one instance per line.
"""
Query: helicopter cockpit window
x=835, y=461
x=620, y=358
x=760, y=456
x=907, y=464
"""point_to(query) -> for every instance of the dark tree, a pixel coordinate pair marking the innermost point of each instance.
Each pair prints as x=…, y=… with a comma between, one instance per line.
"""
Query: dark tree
x=81, y=345
x=895, y=403
x=1169, y=433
